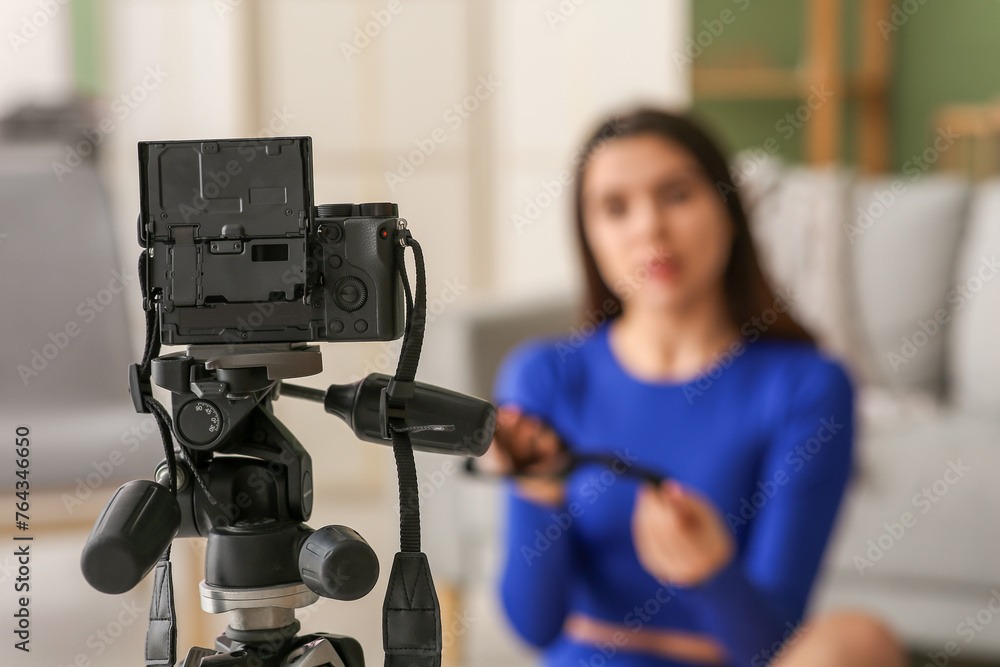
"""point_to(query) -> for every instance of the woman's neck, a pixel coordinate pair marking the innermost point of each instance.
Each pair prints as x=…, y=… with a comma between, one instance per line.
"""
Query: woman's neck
x=672, y=343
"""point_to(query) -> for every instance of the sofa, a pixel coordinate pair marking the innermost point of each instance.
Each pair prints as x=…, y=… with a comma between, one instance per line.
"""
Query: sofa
x=896, y=276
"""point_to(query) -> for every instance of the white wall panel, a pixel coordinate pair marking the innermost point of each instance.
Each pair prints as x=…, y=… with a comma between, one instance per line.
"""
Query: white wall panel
x=35, y=59
x=565, y=66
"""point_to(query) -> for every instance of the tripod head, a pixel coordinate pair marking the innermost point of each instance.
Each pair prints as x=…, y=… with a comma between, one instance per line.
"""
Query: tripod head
x=244, y=482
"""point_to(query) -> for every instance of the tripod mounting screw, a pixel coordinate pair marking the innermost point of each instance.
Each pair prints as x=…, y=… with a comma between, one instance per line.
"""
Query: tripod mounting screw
x=162, y=476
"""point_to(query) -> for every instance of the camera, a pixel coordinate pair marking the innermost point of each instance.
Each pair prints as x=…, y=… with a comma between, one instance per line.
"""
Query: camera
x=238, y=253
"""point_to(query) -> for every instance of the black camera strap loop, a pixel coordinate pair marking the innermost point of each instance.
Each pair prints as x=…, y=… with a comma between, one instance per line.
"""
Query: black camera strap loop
x=161, y=634
x=401, y=388
x=411, y=613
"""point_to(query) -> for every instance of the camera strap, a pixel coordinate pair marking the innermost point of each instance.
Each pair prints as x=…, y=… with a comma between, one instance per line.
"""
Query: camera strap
x=411, y=614
x=161, y=634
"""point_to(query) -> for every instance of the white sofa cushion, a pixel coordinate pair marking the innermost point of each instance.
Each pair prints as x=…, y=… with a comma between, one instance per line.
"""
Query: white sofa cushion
x=974, y=337
x=940, y=468
x=904, y=236
x=796, y=216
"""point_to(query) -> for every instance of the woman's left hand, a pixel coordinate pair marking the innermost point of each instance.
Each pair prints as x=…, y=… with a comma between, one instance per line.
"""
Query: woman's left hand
x=679, y=536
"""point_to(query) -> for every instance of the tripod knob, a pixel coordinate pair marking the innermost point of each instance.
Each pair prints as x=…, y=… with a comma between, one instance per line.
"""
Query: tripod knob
x=336, y=562
x=130, y=535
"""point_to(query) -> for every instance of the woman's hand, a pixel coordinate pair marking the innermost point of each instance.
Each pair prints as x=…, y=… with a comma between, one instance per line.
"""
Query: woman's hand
x=523, y=444
x=679, y=536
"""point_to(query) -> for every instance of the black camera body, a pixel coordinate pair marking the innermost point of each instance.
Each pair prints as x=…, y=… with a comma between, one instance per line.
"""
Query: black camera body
x=239, y=253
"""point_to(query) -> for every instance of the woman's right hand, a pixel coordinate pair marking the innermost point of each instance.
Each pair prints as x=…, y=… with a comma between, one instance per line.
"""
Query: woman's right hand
x=524, y=444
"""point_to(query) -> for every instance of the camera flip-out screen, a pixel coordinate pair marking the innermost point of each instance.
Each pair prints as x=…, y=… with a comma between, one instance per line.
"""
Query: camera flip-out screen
x=240, y=254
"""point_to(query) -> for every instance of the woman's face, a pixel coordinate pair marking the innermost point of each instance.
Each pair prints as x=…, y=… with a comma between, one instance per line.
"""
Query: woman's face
x=658, y=228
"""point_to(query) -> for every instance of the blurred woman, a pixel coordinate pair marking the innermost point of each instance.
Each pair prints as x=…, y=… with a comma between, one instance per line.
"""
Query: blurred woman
x=685, y=363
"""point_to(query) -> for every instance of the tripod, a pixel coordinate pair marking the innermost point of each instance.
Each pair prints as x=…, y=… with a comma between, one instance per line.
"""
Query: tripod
x=245, y=483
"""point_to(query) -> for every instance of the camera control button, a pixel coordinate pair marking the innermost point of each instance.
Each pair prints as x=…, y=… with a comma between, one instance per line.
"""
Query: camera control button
x=361, y=326
x=332, y=232
x=333, y=210
x=336, y=326
x=349, y=293
x=382, y=209
x=334, y=261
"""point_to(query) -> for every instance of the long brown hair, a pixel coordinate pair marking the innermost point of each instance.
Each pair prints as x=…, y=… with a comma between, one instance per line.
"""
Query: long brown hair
x=748, y=294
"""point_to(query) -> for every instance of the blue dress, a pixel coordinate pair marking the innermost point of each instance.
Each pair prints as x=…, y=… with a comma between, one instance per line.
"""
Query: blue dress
x=766, y=435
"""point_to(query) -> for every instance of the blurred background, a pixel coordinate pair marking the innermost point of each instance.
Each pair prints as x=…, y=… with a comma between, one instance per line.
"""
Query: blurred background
x=866, y=137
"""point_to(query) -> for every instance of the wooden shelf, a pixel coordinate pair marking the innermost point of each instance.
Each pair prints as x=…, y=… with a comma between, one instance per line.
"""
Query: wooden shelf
x=728, y=83
x=977, y=147
x=822, y=69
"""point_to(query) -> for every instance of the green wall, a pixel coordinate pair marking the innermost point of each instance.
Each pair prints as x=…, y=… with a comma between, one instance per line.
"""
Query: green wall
x=945, y=51
x=87, y=34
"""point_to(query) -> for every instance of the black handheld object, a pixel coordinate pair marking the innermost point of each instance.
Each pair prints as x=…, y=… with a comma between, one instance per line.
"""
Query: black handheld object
x=442, y=421
x=131, y=533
